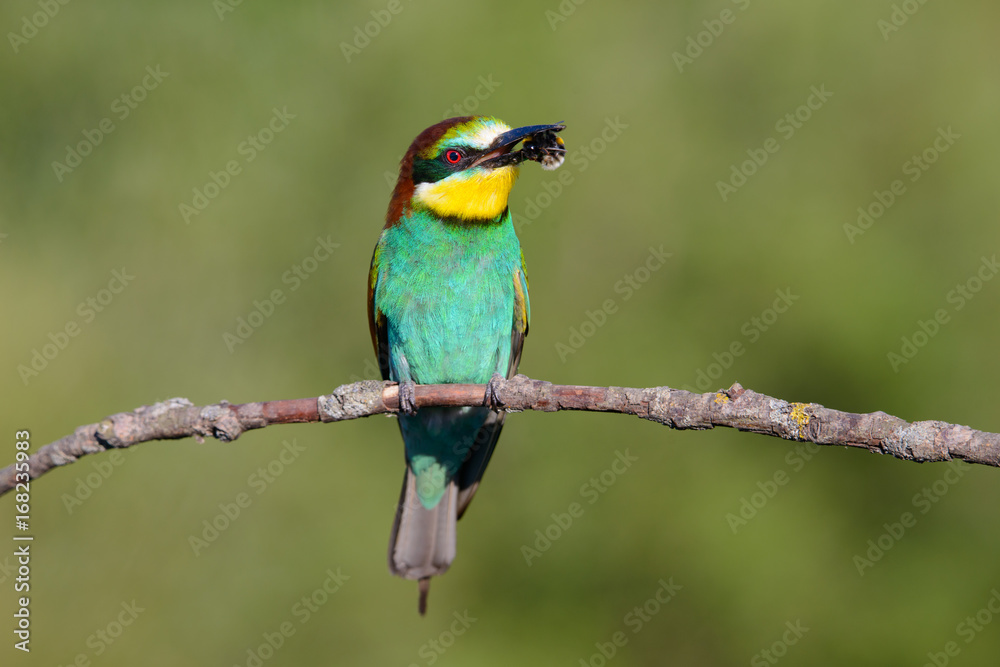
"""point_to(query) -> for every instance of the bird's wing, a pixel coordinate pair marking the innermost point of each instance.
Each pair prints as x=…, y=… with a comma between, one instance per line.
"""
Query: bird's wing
x=473, y=468
x=522, y=315
x=376, y=318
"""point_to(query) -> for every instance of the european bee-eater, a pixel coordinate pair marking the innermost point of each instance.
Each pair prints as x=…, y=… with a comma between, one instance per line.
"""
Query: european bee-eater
x=448, y=303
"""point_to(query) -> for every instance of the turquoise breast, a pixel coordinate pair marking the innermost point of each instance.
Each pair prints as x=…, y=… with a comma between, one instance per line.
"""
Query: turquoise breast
x=447, y=292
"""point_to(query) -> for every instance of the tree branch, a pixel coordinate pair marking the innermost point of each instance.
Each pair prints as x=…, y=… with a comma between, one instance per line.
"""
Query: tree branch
x=735, y=407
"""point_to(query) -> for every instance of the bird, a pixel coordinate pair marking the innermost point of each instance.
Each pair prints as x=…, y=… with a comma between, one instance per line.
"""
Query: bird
x=448, y=303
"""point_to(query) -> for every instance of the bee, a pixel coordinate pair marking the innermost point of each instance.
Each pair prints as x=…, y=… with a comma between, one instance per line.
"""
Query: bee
x=547, y=148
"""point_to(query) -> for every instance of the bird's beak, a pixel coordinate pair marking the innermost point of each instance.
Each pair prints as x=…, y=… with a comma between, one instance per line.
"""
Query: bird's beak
x=505, y=142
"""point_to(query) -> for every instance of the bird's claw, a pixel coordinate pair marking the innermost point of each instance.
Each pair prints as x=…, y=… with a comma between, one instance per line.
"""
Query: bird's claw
x=493, y=387
x=408, y=397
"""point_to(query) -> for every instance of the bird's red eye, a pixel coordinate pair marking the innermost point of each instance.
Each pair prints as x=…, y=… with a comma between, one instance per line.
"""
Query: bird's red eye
x=453, y=156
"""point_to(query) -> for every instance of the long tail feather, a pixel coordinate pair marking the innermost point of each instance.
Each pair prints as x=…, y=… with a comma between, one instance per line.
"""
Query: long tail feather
x=425, y=586
x=422, y=544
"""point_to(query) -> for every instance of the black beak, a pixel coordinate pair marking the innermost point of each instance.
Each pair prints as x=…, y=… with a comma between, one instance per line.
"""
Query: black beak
x=499, y=153
x=509, y=139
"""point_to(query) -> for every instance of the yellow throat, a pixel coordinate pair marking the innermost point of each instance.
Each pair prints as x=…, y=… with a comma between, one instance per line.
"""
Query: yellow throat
x=481, y=195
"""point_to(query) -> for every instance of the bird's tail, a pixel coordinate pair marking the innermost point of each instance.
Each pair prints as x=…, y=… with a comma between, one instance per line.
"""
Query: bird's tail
x=422, y=544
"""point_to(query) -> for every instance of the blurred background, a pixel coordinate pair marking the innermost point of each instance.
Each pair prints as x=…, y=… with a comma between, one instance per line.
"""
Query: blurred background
x=167, y=167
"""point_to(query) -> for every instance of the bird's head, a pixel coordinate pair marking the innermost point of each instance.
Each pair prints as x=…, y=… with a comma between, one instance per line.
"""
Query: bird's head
x=461, y=169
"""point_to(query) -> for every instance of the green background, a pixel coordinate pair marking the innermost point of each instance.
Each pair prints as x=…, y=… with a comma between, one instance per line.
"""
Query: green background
x=324, y=176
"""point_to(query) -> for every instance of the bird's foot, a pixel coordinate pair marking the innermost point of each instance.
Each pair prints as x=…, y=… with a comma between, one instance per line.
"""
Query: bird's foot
x=408, y=397
x=493, y=387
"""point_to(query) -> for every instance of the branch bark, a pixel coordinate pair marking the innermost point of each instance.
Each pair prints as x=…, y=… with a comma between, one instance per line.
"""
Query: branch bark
x=735, y=407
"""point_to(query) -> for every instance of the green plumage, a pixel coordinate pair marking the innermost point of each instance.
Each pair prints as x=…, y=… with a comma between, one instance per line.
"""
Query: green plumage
x=447, y=293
